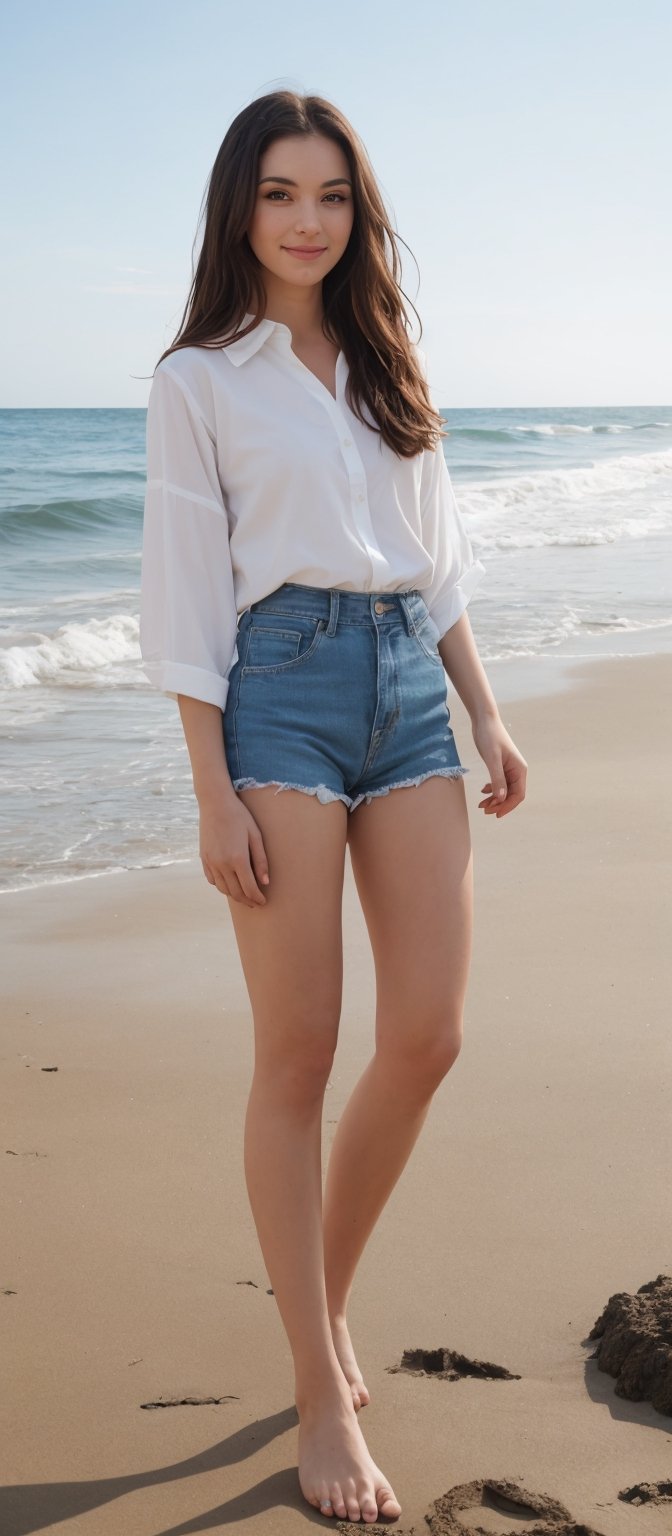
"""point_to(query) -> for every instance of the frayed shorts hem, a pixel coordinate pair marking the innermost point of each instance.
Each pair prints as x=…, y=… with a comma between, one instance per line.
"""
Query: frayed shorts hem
x=325, y=795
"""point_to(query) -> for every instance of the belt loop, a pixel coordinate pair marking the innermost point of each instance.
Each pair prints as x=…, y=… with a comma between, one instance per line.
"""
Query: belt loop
x=408, y=616
x=333, y=611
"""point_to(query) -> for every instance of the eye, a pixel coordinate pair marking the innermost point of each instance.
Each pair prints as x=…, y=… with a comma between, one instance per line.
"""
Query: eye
x=278, y=192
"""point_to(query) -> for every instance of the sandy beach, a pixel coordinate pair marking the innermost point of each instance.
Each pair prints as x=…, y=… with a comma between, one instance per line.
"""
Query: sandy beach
x=131, y=1273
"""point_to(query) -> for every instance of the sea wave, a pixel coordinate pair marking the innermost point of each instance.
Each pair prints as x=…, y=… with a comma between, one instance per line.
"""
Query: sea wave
x=619, y=621
x=567, y=428
x=75, y=653
x=627, y=497
x=508, y=434
x=53, y=518
x=67, y=600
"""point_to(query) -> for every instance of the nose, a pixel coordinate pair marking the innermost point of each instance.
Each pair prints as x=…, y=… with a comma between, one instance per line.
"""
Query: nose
x=310, y=218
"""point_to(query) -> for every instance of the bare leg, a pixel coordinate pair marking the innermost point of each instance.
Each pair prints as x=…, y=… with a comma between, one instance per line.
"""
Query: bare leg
x=291, y=953
x=411, y=859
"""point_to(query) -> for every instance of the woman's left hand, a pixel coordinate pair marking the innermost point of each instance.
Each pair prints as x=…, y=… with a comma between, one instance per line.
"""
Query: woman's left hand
x=505, y=764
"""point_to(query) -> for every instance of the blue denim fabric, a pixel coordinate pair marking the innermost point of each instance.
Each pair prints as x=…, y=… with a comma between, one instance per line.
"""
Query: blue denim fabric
x=340, y=694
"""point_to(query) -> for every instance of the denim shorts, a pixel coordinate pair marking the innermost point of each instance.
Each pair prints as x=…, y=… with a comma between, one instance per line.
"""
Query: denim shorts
x=339, y=694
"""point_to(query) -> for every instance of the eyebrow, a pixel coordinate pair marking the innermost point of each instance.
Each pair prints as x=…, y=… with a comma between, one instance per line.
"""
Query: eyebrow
x=337, y=181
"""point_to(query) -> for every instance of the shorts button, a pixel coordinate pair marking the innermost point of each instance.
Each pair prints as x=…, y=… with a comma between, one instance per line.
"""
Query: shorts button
x=379, y=607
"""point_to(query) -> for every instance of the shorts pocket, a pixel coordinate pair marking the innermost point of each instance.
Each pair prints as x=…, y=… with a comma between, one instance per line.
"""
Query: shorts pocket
x=278, y=643
x=427, y=633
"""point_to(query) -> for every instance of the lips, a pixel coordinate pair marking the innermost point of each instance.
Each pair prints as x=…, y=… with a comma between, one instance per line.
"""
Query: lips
x=305, y=250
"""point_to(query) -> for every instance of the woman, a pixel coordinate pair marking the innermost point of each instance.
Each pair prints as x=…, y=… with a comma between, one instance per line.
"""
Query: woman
x=304, y=584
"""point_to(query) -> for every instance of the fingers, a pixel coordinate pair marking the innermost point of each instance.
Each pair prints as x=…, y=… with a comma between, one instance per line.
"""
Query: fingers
x=499, y=804
x=258, y=857
x=236, y=882
x=244, y=873
x=233, y=854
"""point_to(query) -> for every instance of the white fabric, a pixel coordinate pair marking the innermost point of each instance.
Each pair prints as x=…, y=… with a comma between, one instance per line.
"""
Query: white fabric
x=256, y=476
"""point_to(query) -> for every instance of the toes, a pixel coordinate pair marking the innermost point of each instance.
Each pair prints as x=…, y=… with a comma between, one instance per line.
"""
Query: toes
x=338, y=1502
x=385, y=1496
x=353, y=1506
x=325, y=1503
x=363, y=1394
x=369, y=1508
x=356, y=1399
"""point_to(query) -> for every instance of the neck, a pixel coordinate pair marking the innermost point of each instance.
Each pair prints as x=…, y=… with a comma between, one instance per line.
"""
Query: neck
x=299, y=308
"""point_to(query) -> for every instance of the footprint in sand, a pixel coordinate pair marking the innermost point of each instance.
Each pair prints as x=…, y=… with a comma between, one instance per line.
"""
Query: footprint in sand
x=486, y=1506
x=503, y=1508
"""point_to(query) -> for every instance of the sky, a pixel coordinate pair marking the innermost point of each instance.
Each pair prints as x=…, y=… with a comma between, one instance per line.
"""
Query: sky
x=522, y=149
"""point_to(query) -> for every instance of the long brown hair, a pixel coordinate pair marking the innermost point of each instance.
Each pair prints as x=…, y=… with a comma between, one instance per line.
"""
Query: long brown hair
x=361, y=295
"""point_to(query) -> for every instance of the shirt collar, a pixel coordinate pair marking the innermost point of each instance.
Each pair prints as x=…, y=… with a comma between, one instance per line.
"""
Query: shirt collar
x=238, y=351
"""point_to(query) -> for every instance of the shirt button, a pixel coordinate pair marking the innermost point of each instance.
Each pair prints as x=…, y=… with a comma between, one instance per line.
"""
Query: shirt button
x=347, y=442
x=360, y=495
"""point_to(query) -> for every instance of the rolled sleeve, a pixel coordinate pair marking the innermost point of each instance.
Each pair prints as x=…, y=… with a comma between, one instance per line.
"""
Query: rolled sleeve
x=457, y=571
x=188, y=620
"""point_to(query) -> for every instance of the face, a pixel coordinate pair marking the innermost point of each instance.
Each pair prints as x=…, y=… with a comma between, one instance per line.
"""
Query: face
x=304, y=198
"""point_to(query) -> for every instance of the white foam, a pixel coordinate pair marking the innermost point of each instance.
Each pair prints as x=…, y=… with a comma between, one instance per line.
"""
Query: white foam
x=566, y=428
x=626, y=497
x=619, y=621
x=75, y=651
x=91, y=874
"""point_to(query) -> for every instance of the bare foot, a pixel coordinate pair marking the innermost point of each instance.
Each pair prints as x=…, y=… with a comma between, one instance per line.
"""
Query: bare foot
x=337, y=1474
x=348, y=1364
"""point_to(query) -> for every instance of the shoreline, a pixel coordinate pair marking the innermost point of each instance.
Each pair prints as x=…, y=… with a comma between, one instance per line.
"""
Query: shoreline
x=514, y=680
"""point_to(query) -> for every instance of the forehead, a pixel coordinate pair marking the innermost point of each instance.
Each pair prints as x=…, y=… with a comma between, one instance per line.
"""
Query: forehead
x=311, y=156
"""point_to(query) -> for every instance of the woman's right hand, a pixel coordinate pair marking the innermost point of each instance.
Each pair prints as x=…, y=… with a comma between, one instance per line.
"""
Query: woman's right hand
x=232, y=850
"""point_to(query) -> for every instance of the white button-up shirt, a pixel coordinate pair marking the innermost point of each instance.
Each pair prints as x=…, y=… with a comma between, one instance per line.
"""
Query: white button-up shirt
x=256, y=475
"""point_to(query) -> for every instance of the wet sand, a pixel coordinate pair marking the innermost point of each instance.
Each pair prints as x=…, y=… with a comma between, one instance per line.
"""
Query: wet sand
x=131, y=1273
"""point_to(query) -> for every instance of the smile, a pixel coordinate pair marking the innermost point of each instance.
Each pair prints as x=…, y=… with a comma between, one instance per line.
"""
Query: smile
x=306, y=254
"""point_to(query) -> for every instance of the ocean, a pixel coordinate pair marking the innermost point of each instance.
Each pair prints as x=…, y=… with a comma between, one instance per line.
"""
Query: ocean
x=569, y=509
